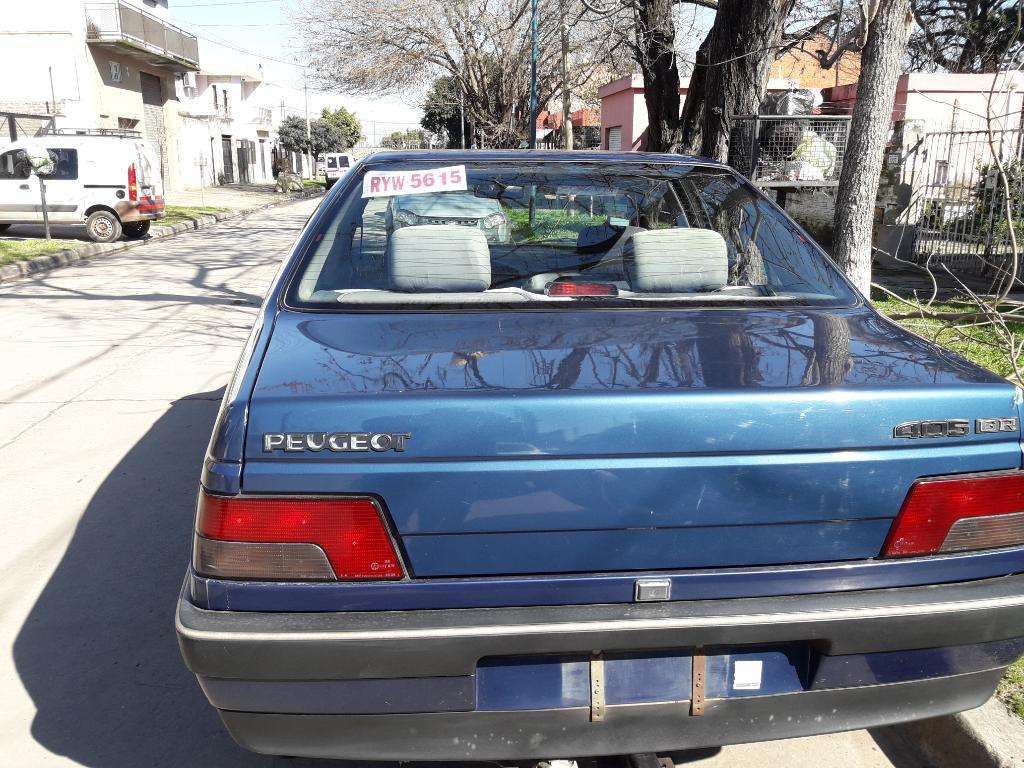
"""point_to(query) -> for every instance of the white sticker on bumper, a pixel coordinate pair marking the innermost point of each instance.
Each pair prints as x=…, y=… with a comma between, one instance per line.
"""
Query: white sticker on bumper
x=746, y=675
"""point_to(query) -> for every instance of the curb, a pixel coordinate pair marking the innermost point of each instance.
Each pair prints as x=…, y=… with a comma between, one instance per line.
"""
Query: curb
x=42, y=264
x=986, y=737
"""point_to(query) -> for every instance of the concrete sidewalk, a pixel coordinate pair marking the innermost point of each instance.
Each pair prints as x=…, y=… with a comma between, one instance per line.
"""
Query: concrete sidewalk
x=76, y=246
x=235, y=197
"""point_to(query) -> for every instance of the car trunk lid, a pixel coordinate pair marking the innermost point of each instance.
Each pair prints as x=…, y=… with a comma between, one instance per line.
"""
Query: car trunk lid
x=593, y=441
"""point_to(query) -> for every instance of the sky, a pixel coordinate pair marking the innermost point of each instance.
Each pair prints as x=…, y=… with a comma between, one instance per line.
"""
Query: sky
x=262, y=30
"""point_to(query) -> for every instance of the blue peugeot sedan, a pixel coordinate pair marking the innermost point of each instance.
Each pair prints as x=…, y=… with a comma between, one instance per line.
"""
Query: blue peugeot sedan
x=646, y=475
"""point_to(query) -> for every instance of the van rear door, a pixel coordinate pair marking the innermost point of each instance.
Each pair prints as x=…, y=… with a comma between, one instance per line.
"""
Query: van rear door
x=147, y=168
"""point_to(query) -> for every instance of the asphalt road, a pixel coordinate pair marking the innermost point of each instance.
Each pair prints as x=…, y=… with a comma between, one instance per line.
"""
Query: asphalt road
x=110, y=376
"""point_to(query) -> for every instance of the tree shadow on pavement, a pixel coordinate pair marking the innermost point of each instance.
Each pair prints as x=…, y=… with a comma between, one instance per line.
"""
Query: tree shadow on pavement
x=97, y=653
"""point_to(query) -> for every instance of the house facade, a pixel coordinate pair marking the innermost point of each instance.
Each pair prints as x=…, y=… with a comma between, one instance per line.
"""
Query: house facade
x=124, y=65
x=624, y=112
x=109, y=64
x=229, y=118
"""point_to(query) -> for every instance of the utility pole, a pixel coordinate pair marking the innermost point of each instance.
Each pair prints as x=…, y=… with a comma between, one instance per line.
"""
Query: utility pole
x=462, y=114
x=309, y=131
x=53, y=98
x=533, y=74
x=566, y=95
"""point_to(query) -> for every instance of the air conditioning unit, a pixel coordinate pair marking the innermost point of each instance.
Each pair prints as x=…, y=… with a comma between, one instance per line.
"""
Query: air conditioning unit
x=189, y=79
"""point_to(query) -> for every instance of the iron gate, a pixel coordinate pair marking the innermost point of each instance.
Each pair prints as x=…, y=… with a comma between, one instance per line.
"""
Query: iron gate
x=956, y=213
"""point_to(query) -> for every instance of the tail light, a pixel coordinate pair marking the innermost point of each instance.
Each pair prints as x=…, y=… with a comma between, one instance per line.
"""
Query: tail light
x=133, y=183
x=958, y=513
x=323, y=539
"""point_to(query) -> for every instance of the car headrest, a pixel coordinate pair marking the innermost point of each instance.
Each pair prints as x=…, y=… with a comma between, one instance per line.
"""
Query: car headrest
x=678, y=260
x=438, y=259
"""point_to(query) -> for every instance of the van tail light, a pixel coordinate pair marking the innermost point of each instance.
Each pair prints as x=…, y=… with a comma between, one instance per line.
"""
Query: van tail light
x=322, y=539
x=958, y=513
x=133, y=183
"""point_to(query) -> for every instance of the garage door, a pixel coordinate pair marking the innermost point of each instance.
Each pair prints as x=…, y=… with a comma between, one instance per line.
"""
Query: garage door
x=153, y=117
x=615, y=138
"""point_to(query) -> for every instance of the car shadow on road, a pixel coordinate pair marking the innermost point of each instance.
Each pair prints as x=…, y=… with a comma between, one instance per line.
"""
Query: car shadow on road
x=97, y=653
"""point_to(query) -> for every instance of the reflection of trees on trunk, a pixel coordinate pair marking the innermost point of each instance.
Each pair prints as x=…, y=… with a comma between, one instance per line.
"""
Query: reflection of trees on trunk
x=728, y=356
x=568, y=371
x=830, y=362
x=721, y=348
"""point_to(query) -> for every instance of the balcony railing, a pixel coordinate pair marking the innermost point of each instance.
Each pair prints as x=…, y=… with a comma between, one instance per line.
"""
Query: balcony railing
x=120, y=24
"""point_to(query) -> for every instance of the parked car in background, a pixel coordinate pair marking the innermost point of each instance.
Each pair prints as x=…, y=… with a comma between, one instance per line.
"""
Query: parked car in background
x=647, y=474
x=336, y=165
x=111, y=184
x=462, y=209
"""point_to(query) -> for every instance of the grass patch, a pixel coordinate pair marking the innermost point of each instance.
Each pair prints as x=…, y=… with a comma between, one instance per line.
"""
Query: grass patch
x=309, y=183
x=176, y=214
x=981, y=351
x=1011, y=688
x=548, y=224
x=20, y=250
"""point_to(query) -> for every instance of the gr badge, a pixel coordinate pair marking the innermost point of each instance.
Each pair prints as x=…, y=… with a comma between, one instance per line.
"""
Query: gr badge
x=996, y=425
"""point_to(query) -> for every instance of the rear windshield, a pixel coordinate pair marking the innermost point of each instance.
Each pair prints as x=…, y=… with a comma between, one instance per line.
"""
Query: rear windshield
x=557, y=234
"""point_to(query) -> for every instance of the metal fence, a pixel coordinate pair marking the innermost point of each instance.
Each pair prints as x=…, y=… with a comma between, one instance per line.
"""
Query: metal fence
x=957, y=205
x=789, y=150
x=16, y=125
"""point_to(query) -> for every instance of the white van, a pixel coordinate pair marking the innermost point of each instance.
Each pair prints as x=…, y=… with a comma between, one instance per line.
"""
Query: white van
x=336, y=165
x=110, y=183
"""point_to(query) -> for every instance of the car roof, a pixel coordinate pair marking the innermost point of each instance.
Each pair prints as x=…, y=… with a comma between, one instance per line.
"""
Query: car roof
x=551, y=155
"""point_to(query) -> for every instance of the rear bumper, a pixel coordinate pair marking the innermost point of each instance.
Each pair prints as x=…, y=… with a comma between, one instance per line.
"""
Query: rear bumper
x=367, y=685
x=626, y=729
x=146, y=208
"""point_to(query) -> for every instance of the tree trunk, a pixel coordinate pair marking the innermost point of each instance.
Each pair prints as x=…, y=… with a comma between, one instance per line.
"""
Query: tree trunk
x=656, y=34
x=731, y=73
x=692, y=122
x=869, y=131
x=566, y=93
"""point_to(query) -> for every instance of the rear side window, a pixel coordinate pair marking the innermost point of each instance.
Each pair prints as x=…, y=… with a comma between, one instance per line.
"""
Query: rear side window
x=343, y=162
x=332, y=162
x=15, y=165
x=65, y=163
x=558, y=234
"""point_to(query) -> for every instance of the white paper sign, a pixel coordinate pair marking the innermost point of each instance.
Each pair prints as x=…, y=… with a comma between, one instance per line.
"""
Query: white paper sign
x=746, y=675
x=388, y=183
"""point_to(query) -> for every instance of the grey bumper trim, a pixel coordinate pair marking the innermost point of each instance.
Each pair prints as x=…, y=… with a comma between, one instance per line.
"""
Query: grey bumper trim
x=626, y=729
x=285, y=646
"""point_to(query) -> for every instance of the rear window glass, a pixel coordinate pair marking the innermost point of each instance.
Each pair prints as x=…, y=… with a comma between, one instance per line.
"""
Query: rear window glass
x=332, y=162
x=557, y=234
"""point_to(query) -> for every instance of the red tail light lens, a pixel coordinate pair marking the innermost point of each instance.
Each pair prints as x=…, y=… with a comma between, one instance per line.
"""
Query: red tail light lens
x=953, y=514
x=133, y=183
x=293, y=538
x=581, y=289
